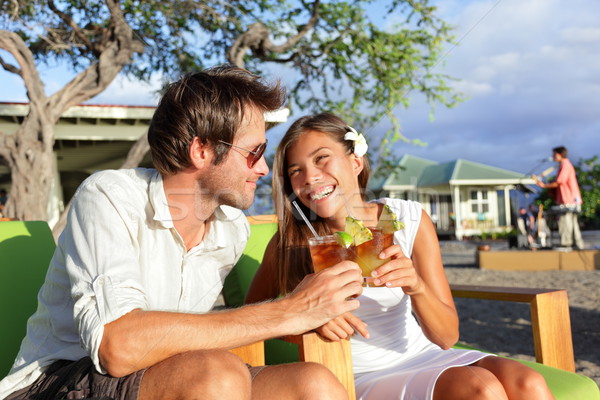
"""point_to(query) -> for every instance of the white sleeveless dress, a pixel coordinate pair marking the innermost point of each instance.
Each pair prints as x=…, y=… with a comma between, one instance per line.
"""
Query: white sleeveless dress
x=398, y=361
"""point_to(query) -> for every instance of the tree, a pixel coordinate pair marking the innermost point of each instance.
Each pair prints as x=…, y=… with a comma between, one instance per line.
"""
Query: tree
x=336, y=56
x=588, y=177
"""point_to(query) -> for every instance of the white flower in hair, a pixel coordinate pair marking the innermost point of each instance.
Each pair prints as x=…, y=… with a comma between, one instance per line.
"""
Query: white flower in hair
x=360, y=142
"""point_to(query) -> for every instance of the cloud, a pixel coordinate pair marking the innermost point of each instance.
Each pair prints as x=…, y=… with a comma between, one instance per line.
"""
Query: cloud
x=123, y=91
x=581, y=35
x=529, y=71
x=473, y=89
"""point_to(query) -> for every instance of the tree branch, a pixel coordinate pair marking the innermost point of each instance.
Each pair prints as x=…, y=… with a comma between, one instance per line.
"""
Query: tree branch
x=291, y=42
x=117, y=51
x=13, y=43
x=257, y=38
x=69, y=22
x=9, y=67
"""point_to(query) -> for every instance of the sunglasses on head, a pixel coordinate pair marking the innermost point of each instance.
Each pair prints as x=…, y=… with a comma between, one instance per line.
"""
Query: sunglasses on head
x=253, y=155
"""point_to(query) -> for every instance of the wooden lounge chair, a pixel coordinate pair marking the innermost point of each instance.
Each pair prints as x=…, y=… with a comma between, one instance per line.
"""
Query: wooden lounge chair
x=551, y=326
x=26, y=248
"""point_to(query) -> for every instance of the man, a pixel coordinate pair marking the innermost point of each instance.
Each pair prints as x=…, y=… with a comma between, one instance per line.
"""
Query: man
x=124, y=311
x=568, y=197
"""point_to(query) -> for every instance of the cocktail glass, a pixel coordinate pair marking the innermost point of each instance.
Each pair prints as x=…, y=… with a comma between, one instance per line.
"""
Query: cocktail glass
x=325, y=252
x=367, y=254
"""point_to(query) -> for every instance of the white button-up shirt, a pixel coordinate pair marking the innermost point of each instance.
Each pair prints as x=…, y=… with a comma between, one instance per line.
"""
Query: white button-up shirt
x=120, y=252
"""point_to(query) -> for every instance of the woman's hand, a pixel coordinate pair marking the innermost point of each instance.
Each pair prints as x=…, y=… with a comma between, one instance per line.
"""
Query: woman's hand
x=342, y=327
x=398, y=272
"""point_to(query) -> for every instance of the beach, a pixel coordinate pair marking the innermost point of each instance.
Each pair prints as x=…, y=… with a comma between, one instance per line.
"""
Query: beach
x=505, y=328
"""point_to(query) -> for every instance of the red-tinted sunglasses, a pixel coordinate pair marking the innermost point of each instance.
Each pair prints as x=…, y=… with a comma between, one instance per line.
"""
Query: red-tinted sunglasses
x=253, y=155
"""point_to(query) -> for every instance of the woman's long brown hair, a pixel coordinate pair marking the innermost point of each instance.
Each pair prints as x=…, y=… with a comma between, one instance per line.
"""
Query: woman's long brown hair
x=292, y=255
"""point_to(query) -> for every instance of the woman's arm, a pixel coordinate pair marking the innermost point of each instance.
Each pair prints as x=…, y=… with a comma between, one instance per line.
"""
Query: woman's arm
x=433, y=305
x=264, y=285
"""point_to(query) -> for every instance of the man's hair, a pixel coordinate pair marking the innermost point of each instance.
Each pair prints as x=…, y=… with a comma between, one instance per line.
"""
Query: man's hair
x=211, y=105
x=562, y=150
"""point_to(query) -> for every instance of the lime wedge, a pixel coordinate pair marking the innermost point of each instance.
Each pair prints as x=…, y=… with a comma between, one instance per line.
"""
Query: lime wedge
x=359, y=232
x=343, y=238
x=388, y=221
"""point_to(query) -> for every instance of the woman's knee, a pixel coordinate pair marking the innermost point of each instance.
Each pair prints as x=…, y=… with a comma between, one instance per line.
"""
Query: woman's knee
x=468, y=382
x=532, y=384
x=519, y=380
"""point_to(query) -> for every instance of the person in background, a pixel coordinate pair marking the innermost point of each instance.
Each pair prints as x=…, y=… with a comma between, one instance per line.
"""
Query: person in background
x=402, y=334
x=568, y=197
x=125, y=311
x=525, y=226
x=3, y=200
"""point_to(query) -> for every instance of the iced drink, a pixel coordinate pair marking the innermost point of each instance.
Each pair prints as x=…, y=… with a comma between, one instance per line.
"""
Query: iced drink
x=367, y=253
x=326, y=252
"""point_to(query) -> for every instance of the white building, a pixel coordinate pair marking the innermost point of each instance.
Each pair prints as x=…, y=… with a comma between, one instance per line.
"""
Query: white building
x=463, y=198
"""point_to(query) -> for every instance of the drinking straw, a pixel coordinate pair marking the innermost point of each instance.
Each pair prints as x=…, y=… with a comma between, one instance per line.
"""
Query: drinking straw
x=348, y=209
x=306, y=220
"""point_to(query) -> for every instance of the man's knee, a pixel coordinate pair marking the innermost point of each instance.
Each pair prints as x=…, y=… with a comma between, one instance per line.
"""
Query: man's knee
x=317, y=381
x=199, y=374
x=219, y=373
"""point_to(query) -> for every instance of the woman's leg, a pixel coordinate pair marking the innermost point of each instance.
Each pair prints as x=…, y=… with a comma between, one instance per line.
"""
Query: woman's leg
x=470, y=382
x=519, y=381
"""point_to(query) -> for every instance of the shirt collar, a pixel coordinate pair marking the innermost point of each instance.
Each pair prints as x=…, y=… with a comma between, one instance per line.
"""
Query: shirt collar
x=158, y=200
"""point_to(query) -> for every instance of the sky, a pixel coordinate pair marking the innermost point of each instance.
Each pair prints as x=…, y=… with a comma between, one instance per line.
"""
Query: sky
x=529, y=71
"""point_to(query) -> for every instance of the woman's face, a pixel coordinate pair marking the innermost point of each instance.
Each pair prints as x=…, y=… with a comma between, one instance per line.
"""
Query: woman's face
x=322, y=175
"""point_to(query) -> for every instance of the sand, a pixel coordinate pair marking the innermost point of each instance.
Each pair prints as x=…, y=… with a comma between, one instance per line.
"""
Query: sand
x=505, y=328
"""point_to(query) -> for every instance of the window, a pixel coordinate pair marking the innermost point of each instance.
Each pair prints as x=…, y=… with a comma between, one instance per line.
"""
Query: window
x=478, y=199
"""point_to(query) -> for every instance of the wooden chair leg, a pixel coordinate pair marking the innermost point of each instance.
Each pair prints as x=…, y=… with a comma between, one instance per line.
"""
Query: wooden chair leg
x=253, y=354
x=552, y=330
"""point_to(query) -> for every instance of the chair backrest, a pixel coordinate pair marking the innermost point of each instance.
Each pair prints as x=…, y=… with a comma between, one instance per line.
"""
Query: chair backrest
x=238, y=281
x=26, y=248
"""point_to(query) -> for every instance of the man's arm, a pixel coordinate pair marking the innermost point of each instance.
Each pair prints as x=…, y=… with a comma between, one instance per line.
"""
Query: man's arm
x=141, y=339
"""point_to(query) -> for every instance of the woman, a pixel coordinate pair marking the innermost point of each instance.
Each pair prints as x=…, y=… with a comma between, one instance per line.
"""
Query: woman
x=320, y=163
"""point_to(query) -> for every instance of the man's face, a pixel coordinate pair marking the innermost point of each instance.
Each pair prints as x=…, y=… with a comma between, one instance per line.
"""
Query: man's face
x=233, y=182
x=556, y=157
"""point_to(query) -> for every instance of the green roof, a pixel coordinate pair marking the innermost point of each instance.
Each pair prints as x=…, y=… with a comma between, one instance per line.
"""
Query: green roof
x=420, y=172
x=409, y=172
x=471, y=170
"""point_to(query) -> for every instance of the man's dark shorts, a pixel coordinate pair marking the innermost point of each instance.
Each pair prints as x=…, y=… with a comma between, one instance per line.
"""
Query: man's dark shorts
x=80, y=380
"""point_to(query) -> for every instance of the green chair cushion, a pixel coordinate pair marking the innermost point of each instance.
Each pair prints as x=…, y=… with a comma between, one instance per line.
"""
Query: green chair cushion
x=238, y=281
x=26, y=248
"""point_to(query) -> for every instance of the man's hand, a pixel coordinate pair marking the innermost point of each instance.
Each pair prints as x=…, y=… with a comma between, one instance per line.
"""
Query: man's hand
x=321, y=297
x=538, y=181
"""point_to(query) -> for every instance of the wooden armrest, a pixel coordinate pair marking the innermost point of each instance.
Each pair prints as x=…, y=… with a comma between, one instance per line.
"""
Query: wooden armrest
x=253, y=354
x=550, y=319
x=334, y=355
